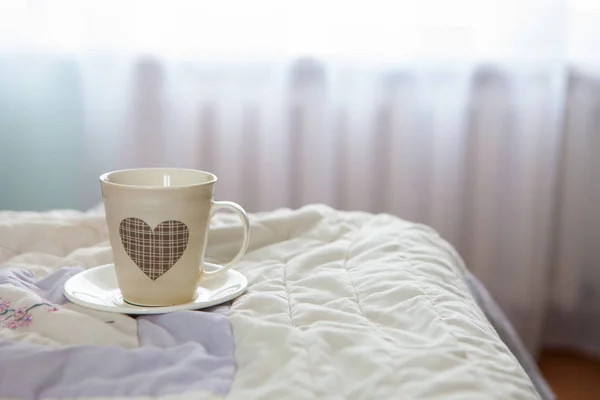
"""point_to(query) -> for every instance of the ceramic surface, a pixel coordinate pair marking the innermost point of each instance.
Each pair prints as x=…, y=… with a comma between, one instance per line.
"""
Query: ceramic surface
x=97, y=289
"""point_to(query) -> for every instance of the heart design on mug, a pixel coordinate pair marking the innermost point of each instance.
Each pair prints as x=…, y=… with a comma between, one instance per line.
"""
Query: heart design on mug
x=154, y=251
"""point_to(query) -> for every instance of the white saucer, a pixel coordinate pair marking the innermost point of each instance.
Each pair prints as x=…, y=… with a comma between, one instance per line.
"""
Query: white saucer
x=97, y=288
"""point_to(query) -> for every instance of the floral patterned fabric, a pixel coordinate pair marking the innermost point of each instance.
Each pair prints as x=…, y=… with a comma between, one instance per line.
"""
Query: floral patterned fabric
x=21, y=317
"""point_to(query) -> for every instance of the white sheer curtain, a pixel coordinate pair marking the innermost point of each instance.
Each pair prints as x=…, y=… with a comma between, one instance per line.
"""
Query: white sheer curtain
x=479, y=118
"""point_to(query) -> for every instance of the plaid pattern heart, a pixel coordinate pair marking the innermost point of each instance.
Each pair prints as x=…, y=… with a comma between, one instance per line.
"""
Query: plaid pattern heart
x=154, y=251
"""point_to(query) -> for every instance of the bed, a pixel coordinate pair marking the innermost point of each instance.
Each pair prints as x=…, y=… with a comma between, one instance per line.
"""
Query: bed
x=340, y=305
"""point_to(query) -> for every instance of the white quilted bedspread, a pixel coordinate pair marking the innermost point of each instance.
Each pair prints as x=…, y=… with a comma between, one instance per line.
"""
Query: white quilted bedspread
x=340, y=305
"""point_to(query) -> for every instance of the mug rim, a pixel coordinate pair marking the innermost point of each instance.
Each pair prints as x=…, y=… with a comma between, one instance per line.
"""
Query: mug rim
x=104, y=178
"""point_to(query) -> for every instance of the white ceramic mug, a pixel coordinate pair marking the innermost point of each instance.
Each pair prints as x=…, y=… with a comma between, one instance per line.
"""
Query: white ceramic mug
x=158, y=220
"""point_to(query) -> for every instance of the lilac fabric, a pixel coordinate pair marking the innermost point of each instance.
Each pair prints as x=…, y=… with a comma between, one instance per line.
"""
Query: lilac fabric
x=179, y=352
x=49, y=288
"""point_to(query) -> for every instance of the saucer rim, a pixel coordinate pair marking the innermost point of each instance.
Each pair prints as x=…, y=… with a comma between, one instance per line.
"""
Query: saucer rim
x=130, y=309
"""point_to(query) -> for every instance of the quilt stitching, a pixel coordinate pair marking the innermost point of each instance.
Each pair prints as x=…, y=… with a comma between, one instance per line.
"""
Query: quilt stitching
x=465, y=296
x=284, y=266
x=477, y=379
x=466, y=354
x=288, y=295
x=373, y=326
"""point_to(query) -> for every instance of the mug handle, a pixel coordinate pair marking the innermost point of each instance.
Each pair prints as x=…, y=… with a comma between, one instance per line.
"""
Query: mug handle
x=237, y=209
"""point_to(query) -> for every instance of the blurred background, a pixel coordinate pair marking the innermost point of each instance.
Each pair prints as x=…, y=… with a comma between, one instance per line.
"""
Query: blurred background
x=480, y=118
